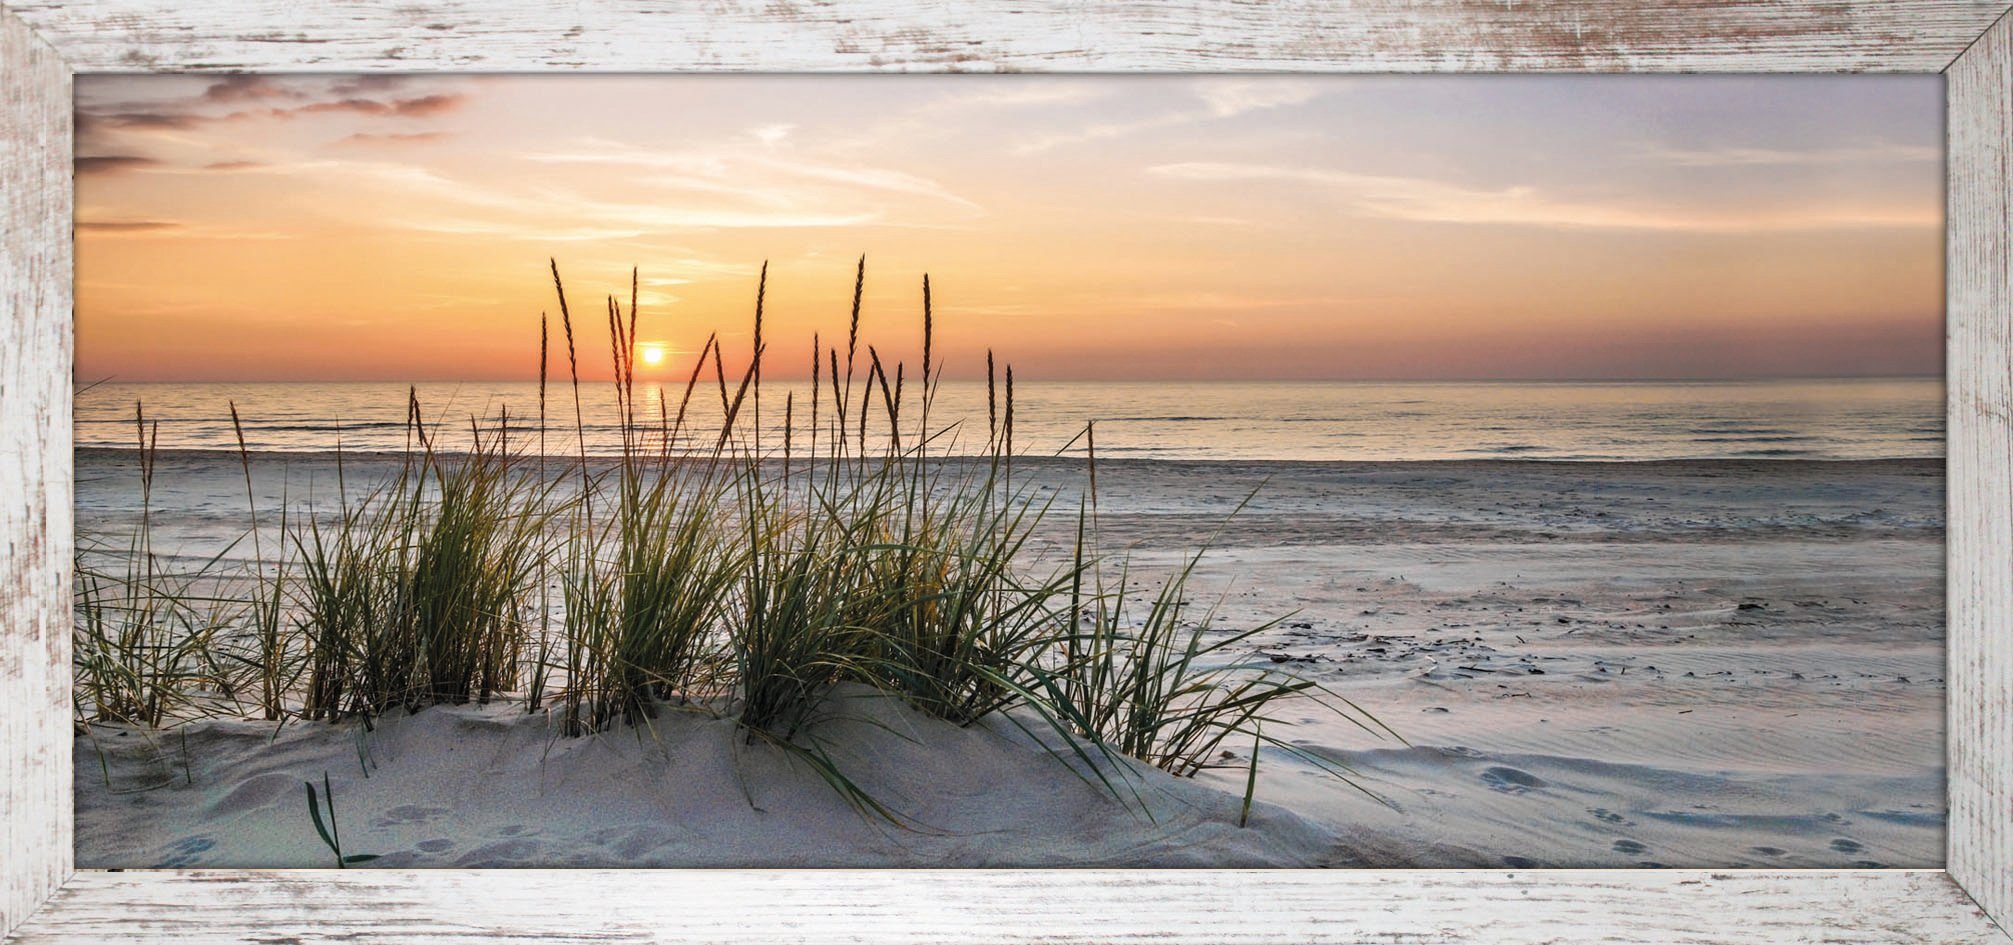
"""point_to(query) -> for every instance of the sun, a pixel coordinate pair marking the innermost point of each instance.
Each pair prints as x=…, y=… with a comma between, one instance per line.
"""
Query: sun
x=651, y=353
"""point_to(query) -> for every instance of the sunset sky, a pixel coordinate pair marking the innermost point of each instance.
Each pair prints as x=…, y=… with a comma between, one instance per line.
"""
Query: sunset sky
x=325, y=227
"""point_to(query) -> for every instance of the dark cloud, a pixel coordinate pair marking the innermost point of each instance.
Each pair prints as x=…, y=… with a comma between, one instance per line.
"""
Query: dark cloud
x=360, y=106
x=126, y=226
x=91, y=123
x=356, y=98
x=428, y=104
x=234, y=165
x=367, y=85
x=247, y=88
x=112, y=163
x=419, y=107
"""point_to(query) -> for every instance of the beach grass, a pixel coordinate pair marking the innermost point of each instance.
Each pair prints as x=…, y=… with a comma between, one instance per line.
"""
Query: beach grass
x=716, y=571
x=147, y=629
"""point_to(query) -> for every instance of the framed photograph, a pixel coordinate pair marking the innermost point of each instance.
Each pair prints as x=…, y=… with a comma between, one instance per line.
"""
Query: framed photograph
x=639, y=474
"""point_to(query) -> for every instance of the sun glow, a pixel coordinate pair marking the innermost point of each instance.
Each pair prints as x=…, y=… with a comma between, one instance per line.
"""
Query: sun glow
x=651, y=354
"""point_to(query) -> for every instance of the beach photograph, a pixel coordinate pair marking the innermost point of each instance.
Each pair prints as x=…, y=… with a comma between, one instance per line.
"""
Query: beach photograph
x=1009, y=471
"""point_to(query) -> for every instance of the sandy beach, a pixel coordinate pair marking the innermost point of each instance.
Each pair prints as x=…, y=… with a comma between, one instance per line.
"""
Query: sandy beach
x=1688, y=663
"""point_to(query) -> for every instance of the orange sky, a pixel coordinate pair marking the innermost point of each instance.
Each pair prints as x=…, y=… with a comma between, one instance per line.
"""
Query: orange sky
x=329, y=227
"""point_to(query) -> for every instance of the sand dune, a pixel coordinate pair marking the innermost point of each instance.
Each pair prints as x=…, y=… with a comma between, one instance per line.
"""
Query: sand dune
x=470, y=786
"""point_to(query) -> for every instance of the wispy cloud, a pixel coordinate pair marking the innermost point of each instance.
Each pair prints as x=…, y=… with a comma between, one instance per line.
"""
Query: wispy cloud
x=772, y=135
x=1227, y=98
x=1433, y=201
x=171, y=229
x=1014, y=93
x=1790, y=157
x=126, y=226
x=1216, y=99
x=727, y=163
x=975, y=101
x=761, y=177
x=452, y=205
x=395, y=137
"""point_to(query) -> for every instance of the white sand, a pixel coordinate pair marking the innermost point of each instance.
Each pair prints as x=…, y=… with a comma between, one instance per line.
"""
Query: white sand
x=1688, y=664
x=493, y=787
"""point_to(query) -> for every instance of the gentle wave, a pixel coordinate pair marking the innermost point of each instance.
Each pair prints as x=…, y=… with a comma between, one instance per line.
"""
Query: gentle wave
x=1821, y=419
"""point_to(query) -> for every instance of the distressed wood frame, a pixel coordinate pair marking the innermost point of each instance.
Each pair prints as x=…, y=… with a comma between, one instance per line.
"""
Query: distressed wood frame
x=44, y=899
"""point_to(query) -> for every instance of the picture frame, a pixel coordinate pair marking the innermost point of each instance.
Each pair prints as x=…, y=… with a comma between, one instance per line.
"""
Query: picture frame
x=45, y=900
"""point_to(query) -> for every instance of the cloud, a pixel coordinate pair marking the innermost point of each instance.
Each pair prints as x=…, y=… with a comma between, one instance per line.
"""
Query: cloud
x=772, y=135
x=759, y=177
x=97, y=164
x=90, y=124
x=974, y=100
x=1767, y=157
x=235, y=166
x=1431, y=201
x=177, y=230
x=368, y=84
x=251, y=98
x=419, y=107
x=1018, y=93
x=1218, y=99
x=245, y=88
x=441, y=204
x=425, y=105
x=126, y=226
x=1227, y=98
x=408, y=137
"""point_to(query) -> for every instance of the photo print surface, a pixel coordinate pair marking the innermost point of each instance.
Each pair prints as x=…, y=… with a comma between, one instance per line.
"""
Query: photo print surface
x=1009, y=471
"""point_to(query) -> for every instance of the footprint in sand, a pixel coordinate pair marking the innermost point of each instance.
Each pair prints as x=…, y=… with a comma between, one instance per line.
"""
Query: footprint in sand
x=185, y=851
x=633, y=843
x=440, y=845
x=1510, y=780
x=1606, y=816
x=1767, y=851
x=1630, y=847
x=260, y=791
x=1844, y=845
x=501, y=853
x=409, y=814
x=1519, y=862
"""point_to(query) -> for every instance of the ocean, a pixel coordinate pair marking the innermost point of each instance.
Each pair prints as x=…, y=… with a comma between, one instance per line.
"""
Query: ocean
x=1286, y=420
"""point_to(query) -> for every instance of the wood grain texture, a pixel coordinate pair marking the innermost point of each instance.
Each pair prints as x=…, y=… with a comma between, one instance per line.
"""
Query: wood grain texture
x=35, y=530
x=1010, y=906
x=1980, y=551
x=1026, y=35
x=1016, y=35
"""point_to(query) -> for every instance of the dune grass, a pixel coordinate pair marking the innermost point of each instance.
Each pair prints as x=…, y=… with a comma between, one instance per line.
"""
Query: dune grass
x=146, y=631
x=710, y=571
x=419, y=592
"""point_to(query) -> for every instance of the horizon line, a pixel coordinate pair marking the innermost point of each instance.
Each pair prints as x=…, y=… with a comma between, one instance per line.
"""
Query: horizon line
x=1654, y=379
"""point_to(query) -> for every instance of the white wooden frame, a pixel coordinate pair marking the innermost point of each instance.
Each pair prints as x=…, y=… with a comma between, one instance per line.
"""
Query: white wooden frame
x=44, y=899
